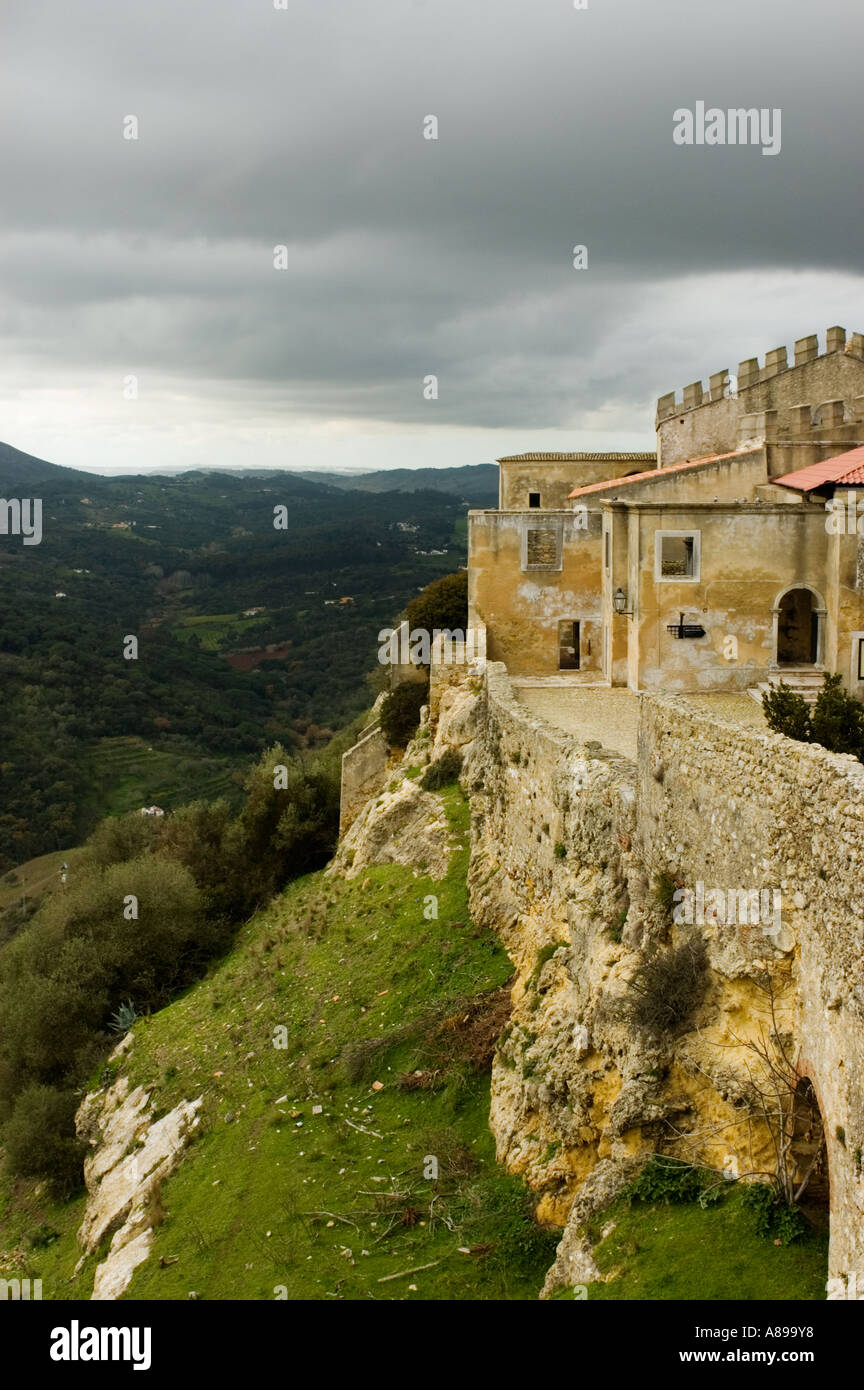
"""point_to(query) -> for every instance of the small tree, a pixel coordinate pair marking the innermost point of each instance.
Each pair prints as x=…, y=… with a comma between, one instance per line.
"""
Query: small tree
x=400, y=712
x=442, y=604
x=837, y=721
x=40, y=1138
x=787, y=713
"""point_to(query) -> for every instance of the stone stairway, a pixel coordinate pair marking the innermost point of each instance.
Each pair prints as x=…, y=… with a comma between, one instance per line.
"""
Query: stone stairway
x=805, y=681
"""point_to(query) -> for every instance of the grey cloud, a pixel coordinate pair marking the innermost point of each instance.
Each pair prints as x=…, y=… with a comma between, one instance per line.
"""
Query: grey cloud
x=409, y=257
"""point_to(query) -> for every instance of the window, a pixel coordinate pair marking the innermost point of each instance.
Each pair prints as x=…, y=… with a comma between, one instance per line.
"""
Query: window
x=677, y=555
x=607, y=548
x=533, y=499
x=542, y=547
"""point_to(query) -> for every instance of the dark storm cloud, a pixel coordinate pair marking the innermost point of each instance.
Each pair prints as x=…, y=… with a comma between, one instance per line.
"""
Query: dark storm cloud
x=407, y=257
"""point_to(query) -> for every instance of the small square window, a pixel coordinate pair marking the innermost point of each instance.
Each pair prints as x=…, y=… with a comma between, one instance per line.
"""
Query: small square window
x=676, y=555
x=542, y=547
x=533, y=499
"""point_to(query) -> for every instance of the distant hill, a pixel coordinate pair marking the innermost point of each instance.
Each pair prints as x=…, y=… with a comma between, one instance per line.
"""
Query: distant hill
x=22, y=471
x=248, y=633
x=476, y=484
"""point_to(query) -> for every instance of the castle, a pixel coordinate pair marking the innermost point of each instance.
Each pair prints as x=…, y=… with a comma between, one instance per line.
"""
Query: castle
x=725, y=561
x=728, y=559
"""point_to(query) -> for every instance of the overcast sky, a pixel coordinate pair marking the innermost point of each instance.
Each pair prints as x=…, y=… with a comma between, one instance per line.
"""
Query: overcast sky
x=407, y=257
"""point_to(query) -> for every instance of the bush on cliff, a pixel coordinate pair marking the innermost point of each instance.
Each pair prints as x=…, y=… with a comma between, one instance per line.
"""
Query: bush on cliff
x=148, y=906
x=443, y=771
x=400, y=712
x=442, y=604
x=667, y=988
x=40, y=1138
x=671, y=1180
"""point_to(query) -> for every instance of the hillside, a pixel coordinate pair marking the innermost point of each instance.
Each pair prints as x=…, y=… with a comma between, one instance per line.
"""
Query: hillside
x=336, y=1071
x=476, y=484
x=246, y=633
x=273, y=1195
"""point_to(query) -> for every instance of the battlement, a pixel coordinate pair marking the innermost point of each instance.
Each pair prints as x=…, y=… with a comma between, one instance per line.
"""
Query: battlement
x=751, y=373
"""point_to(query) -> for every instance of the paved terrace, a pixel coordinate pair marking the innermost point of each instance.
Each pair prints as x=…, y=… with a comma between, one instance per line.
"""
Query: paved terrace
x=611, y=716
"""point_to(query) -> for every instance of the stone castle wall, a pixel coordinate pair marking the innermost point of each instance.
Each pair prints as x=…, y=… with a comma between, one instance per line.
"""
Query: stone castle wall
x=569, y=844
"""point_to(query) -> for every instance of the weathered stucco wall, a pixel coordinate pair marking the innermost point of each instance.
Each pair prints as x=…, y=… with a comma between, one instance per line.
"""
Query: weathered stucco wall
x=569, y=845
x=556, y=475
x=749, y=555
x=364, y=769
x=522, y=608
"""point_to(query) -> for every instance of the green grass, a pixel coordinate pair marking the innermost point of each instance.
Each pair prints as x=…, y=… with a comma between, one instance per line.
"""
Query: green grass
x=128, y=773
x=271, y=1196
x=676, y=1252
x=210, y=628
x=247, y=1212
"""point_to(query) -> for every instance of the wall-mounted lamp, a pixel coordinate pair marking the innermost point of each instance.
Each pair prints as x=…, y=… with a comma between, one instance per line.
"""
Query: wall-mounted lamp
x=619, y=603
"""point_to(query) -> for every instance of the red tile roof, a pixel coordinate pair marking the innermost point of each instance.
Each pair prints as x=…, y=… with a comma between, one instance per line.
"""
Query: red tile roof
x=844, y=469
x=653, y=473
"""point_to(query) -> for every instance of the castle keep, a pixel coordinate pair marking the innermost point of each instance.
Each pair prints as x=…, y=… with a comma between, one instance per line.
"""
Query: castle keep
x=711, y=565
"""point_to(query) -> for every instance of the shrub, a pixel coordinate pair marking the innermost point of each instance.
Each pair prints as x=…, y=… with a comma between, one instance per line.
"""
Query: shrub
x=40, y=1137
x=443, y=771
x=772, y=1217
x=400, y=712
x=837, y=721
x=665, y=888
x=442, y=604
x=616, y=928
x=63, y=976
x=560, y=851
x=120, y=838
x=787, y=713
x=666, y=989
x=671, y=1181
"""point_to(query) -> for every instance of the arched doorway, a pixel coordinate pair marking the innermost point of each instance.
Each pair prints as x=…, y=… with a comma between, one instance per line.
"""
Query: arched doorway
x=798, y=618
x=808, y=1152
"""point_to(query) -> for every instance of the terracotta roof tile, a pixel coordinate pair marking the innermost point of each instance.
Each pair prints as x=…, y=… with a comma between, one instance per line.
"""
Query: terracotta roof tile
x=846, y=469
x=653, y=473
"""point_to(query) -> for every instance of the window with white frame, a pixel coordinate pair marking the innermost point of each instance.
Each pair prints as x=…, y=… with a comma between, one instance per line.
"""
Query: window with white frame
x=676, y=555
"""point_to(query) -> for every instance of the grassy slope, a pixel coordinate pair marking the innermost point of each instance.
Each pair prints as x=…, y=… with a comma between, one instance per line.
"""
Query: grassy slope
x=273, y=1197
x=683, y=1252
x=651, y=1251
x=248, y=1210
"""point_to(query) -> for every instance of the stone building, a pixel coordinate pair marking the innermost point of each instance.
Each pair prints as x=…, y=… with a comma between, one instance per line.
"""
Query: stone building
x=727, y=560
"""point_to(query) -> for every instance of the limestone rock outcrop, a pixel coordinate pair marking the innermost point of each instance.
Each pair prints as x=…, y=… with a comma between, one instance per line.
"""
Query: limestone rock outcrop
x=405, y=825
x=132, y=1154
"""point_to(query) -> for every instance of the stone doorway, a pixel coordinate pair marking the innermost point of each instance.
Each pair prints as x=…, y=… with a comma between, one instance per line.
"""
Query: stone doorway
x=797, y=628
x=568, y=646
x=808, y=1151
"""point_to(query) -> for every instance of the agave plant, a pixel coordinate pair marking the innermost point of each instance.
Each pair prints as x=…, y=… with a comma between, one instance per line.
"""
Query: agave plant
x=124, y=1018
